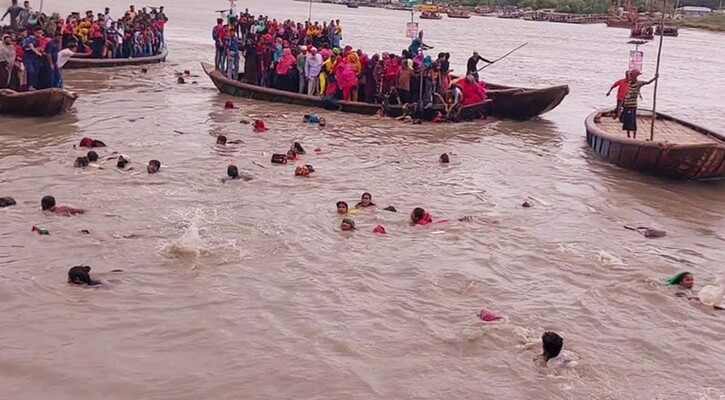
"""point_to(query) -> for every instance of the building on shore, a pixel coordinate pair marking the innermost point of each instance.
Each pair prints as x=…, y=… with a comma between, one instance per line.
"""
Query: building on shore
x=692, y=11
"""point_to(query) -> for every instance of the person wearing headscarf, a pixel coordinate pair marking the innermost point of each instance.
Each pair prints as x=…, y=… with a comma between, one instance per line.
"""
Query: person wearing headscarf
x=346, y=78
x=285, y=67
x=473, y=92
x=371, y=83
x=7, y=61
x=251, y=63
x=355, y=64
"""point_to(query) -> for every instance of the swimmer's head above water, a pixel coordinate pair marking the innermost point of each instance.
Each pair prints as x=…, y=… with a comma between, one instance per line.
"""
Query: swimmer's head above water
x=366, y=200
x=342, y=207
x=47, y=202
x=221, y=140
x=444, y=159
x=80, y=275
x=552, y=344
x=153, y=167
x=233, y=172
x=417, y=215
x=684, y=279
x=347, y=224
x=92, y=156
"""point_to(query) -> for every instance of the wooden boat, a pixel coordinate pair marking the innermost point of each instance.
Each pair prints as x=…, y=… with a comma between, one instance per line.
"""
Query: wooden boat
x=80, y=62
x=521, y=103
x=430, y=15
x=671, y=31
x=352, y=5
x=38, y=103
x=463, y=14
x=680, y=149
x=240, y=89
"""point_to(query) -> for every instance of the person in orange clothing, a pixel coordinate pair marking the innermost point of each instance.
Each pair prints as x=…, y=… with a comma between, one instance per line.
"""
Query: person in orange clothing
x=622, y=85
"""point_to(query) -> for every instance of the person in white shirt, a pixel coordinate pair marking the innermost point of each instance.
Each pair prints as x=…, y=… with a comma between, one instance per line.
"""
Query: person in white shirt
x=63, y=57
x=107, y=17
x=313, y=66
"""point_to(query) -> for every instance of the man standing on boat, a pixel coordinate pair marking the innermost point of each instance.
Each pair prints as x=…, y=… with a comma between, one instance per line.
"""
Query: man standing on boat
x=472, y=67
x=219, y=34
x=623, y=85
x=629, y=112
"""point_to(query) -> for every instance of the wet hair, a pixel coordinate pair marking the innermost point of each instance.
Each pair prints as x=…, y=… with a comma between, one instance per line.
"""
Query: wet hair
x=47, y=202
x=79, y=275
x=297, y=147
x=81, y=162
x=679, y=278
x=445, y=159
x=348, y=221
x=181, y=80
x=390, y=208
x=221, y=139
x=122, y=162
x=322, y=122
x=291, y=154
x=233, y=172
x=552, y=344
x=98, y=143
x=369, y=196
x=342, y=203
x=418, y=213
x=92, y=156
x=157, y=163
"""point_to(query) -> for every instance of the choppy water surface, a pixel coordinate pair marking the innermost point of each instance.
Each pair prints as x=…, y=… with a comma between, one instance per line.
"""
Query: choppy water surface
x=248, y=289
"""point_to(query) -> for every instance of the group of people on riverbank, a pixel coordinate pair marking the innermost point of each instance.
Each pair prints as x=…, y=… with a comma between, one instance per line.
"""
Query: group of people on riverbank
x=310, y=59
x=35, y=47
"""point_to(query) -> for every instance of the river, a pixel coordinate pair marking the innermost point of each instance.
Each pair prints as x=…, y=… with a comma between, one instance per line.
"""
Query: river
x=249, y=289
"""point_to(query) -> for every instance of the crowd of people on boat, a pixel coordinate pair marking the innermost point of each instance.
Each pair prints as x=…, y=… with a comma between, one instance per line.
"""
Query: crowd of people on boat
x=310, y=58
x=35, y=47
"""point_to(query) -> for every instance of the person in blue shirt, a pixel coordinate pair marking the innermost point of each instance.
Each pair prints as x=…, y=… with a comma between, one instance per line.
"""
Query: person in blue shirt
x=417, y=44
x=232, y=46
x=31, y=58
x=51, y=53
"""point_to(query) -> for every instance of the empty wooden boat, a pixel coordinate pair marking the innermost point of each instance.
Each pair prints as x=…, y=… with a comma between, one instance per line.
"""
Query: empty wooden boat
x=522, y=103
x=83, y=62
x=680, y=149
x=38, y=103
x=241, y=89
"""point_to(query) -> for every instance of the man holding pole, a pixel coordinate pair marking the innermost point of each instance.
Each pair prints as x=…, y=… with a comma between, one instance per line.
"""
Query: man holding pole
x=629, y=112
x=472, y=67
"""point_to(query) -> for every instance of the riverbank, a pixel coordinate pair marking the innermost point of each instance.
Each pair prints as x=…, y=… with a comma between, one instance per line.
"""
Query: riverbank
x=711, y=23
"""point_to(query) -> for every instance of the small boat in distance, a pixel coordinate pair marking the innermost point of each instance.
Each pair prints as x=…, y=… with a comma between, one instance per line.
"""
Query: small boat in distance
x=671, y=31
x=459, y=13
x=38, y=103
x=642, y=33
x=82, y=62
x=680, y=149
x=430, y=12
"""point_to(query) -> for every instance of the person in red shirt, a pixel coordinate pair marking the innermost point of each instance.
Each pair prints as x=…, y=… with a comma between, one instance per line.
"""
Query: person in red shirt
x=98, y=40
x=47, y=203
x=219, y=34
x=623, y=85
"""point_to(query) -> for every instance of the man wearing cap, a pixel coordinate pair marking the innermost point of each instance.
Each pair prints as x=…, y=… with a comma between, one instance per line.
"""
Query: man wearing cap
x=629, y=112
x=313, y=66
x=301, y=61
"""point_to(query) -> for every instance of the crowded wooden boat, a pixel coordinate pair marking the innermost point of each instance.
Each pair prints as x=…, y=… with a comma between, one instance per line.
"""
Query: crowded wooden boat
x=430, y=12
x=37, y=103
x=459, y=13
x=670, y=31
x=679, y=149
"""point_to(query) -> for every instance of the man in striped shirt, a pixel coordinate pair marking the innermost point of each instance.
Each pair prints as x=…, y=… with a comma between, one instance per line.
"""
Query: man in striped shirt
x=629, y=112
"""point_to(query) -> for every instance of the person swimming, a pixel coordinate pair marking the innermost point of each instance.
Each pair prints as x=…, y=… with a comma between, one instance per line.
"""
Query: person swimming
x=420, y=217
x=7, y=201
x=233, y=174
x=123, y=161
x=365, y=201
x=553, y=355
x=222, y=141
x=444, y=159
x=347, y=224
x=88, y=142
x=47, y=203
x=291, y=155
x=323, y=122
x=153, y=167
x=81, y=162
x=80, y=275
x=684, y=282
x=297, y=148
x=304, y=170
x=92, y=156
x=311, y=118
x=341, y=207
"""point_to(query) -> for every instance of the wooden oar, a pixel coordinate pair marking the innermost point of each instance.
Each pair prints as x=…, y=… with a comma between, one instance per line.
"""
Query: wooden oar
x=502, y=57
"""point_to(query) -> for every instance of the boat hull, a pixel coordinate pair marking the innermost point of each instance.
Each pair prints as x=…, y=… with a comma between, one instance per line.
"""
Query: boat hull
x=38, y=103
x=239, y=89
x=523, y=104
x=80, y=63
x=673, y=160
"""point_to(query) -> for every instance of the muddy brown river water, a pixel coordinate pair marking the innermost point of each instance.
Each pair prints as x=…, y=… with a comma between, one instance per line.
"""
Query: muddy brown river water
x=249, y=290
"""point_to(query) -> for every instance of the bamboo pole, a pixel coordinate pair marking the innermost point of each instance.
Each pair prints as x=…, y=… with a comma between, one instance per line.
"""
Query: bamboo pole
x=657, y=72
